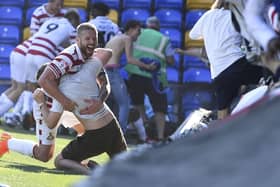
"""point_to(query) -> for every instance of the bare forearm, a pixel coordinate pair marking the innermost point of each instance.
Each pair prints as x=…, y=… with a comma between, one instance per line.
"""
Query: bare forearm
x=136, y=62
x=104, y=86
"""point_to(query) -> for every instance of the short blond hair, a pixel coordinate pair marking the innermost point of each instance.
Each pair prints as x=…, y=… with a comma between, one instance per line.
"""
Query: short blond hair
x=86, y=26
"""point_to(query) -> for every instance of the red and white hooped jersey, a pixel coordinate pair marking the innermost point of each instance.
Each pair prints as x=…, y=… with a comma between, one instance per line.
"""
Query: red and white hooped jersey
x=51, y=35
x=68, y=61
x=40, y=15
x=23, y=47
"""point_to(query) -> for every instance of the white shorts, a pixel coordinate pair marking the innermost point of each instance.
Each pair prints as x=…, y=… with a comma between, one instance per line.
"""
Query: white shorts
x=17, y=65
x=33, y=63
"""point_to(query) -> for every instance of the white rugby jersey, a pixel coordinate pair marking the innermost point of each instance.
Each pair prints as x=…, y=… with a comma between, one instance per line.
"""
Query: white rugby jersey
x=68, y=61
x=54, y=32
x=40, y=15
x=106, y=29
x=82, y=85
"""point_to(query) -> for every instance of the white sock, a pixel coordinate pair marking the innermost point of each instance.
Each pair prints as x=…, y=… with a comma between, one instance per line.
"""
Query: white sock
x=6, y=104
x=21, y=146
x=19, y=104
x=139, y=125
x=27, y=102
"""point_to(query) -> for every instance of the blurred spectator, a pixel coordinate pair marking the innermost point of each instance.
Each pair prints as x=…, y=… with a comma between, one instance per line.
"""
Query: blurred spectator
x=17, y=65
x=106, y=27
x=51, y=9
x=156, y=47
x=264, y=30
x=228, y=65
x=119, y=44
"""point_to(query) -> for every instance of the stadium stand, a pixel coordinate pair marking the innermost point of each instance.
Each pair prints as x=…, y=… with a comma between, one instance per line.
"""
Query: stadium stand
x=192, y=16
x=26, y=33
x=145, y=4
x=114, y=16
x=169, y=18
x=173, y=4
x=192, y=43
x=192, y=61
x=172, y=74
x=17, y=3
x=5, y=73
x=5, y=50
x=134, y=13
x=196, y=75
x=174, y=35
x=113, y=4
x=28, y=14
x=11, y=15
x=35, y=3
x=199, y=4
x=10, y=34
x=76, y=3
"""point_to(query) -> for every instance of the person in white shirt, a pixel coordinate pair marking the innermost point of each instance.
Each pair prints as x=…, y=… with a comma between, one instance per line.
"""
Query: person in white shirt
x=54, y=8
x=78, y=69
x=106, y=27
x=228, y=65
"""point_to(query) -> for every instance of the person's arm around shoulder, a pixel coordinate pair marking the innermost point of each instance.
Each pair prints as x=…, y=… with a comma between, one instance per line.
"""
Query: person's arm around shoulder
x=104, y=55
x=49, y=83
x=51, y=118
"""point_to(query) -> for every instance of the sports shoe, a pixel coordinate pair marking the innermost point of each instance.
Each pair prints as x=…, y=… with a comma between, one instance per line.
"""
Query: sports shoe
x=92, y=164
x=4, y=143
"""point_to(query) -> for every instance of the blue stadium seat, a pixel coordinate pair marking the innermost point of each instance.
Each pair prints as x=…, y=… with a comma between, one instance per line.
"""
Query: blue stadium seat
x=4, y=87
x=83, y=14
x=32, y=3
x=192, y=16
x=123, y=60
x=196, y=75
x=169, y=18
x=28, y=15
x=193, y=61
x=170, y=96
x=11, y=15
x=172, y=74
x=194, y=99
x=145, y=4
x=134, y=13
x=18, y=3
x=124, y=73
x=113, y=4
x=5, y=72
x=5, y=51
x=176, y=4
x=175, y=36
x=10, y=34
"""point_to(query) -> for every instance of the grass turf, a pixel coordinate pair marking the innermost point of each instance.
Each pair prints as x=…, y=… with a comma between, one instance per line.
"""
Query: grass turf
x=17, y=170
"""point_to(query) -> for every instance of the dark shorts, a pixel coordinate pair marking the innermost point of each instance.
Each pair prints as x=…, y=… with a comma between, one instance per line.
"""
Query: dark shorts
x=139, y=86
x=108, y=139
x=228, y=83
